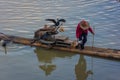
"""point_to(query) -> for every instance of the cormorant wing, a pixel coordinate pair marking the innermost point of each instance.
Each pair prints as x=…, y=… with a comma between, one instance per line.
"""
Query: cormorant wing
x=53, y=20
x=62, y=20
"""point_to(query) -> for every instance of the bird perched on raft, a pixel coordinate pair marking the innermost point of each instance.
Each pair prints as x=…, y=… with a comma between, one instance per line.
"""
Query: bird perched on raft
x=47, y=33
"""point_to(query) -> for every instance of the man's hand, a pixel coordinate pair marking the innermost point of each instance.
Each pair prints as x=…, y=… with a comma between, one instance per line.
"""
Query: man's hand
x=93, y=33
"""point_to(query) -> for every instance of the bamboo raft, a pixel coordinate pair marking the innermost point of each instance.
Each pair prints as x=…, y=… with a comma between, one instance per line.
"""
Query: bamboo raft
x=91, y=51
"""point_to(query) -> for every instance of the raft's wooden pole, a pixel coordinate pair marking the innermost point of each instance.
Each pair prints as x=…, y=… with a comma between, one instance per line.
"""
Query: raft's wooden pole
x=93, y=38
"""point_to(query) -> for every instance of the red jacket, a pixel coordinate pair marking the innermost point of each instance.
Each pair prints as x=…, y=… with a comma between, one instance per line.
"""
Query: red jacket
x=79, y=31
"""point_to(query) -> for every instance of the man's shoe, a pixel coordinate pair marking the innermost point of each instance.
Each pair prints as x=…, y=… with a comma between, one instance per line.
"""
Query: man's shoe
x=82, y=46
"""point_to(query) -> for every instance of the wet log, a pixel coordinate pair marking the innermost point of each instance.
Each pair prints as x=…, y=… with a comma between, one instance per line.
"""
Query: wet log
x=92, y=51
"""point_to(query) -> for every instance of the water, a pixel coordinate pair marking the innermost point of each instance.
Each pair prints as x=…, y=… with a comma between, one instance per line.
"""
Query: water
x=23, y=17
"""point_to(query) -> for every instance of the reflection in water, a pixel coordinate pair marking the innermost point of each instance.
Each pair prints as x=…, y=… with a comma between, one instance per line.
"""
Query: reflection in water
x=47, y=68
x=11, y=47
x=81, y=69
x=46, y=56
x=118, y=0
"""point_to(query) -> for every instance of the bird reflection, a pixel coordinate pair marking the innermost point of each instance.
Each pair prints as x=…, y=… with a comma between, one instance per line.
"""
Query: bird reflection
x=81, y=69
x=45, y=57
x=47, y=68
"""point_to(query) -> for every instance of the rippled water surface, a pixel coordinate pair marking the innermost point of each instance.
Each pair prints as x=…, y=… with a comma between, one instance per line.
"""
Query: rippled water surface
x=23, y=17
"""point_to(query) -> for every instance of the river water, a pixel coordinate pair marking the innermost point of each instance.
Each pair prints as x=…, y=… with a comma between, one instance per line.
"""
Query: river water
x=23, y=17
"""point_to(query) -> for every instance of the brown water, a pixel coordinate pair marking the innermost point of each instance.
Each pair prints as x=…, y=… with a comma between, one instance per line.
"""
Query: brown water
x=23, y=17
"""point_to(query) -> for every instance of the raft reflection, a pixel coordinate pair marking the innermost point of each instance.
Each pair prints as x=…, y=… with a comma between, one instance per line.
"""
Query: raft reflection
x=46, y=56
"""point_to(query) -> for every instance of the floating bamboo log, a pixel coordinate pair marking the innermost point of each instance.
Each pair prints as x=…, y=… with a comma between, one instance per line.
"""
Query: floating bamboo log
x=92, y=51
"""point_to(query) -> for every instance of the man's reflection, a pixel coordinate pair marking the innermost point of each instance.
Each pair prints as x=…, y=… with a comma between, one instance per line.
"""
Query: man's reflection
x=81, y=69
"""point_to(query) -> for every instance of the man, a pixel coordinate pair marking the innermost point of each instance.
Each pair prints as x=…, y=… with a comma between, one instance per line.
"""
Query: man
x=82, y=31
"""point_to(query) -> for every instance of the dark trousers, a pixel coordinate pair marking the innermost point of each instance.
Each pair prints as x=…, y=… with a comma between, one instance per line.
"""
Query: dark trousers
x=83, y=38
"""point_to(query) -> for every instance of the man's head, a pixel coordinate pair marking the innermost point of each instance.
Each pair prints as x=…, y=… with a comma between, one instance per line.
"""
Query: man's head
x=84, y=24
